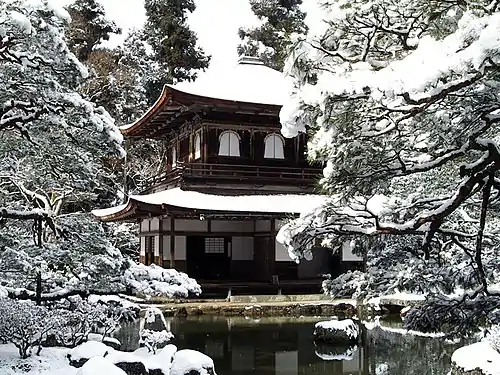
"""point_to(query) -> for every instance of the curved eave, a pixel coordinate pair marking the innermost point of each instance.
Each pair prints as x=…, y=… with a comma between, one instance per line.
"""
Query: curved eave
x=131, y=211
x=177, y=101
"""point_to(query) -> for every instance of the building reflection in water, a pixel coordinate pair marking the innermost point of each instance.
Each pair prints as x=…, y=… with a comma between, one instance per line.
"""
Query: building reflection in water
x=284, y=346
x=268, y=346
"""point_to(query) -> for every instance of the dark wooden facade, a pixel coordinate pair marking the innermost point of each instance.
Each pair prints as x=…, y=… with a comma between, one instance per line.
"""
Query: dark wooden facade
x=224, y=148
x=180, y=118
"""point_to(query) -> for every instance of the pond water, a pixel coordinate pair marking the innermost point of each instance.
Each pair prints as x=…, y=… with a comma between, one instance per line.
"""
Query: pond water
x=284, y=346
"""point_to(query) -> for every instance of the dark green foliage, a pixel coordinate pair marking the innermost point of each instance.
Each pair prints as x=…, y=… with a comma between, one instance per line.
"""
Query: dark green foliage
x=272, y=39
x=88, y=28
x=173, y=43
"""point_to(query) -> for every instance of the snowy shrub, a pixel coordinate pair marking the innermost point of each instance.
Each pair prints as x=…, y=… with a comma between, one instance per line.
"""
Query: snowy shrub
x=347, y=285
x=157, y=281
x=26, y=325
x=409, y=147
x=455, y=316
x=493, y=337
x=152, y=340
x=82, y=317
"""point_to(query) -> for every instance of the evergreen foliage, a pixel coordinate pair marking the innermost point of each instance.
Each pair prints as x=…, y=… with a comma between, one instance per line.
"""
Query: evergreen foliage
x=281, y=21
x=173, y=43
x=401, y=100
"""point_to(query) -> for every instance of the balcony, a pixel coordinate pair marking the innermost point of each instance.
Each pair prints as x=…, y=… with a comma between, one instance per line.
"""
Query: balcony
x=238, y=174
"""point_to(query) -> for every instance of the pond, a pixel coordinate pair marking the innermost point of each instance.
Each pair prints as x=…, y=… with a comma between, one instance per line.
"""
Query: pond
x=284, y=346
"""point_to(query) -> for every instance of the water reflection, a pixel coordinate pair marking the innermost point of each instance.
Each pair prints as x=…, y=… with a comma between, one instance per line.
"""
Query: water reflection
x=284, y=346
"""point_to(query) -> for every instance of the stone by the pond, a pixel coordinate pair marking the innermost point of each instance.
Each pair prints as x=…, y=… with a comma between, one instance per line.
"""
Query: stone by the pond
x=81, y=354
x=154, y=320
x=333, y=331
x=476, y=359
x=99, y=366
x=192, y=362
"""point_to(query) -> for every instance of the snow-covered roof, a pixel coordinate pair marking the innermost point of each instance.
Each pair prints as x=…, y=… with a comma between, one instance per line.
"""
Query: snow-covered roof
x=248, y=81
x=176, y=197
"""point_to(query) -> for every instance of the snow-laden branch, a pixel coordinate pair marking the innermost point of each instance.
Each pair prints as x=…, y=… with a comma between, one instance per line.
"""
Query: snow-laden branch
x=37, y=214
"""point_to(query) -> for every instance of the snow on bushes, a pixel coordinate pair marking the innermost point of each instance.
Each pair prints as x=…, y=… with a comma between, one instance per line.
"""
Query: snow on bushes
x=157, y=281
x=99, y=365
x=333, y=331
x=493, y=337
x=187, y=362
x=26, y=325
x=479, y=356
x=69, y=324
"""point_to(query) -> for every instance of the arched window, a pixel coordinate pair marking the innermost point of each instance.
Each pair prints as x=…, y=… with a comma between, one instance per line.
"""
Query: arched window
x=229, y=144
x=197, y=146
x=174, y=157
x=273, y=147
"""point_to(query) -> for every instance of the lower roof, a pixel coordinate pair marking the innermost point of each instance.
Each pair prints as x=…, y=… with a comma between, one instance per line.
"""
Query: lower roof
x=177, y=198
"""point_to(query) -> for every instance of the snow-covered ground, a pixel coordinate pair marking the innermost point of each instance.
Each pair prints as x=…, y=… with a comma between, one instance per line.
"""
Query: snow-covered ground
x=51, y=361
x=101, y=359
x=478, y=356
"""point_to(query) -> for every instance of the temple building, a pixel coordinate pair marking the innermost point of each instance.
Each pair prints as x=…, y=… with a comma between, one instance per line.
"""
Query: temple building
x=231, y=181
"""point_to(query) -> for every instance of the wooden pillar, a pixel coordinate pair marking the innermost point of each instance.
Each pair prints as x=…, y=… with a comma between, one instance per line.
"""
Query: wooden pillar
x=172, y=242
x=204, y=144
x=272, y=249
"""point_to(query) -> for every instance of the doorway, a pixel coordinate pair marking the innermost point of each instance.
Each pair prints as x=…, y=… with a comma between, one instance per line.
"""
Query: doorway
x=208, y=258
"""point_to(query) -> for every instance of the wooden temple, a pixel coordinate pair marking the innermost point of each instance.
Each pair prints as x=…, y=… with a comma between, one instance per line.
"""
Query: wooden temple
x=231, y=181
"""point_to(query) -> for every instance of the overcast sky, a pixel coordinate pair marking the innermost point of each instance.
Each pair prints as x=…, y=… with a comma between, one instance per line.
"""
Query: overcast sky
x=216, y=23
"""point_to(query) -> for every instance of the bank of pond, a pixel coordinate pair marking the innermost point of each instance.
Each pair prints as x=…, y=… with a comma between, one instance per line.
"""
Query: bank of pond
x=286, y=346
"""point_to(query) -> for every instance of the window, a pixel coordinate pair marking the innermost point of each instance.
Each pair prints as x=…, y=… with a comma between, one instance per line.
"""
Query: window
x=174, y=157
x=273, y=148
x=215, y=245
x=229, y=144
x=197, y=146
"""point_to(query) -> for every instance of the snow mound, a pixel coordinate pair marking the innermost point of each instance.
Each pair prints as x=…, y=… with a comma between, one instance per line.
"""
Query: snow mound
x=336, y=330
x=99, y=365
x=192, y=362
x=88, y=350
x=477, y=356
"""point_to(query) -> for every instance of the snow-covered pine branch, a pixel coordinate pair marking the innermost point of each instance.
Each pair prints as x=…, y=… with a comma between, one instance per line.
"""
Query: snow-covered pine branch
x=401, y=99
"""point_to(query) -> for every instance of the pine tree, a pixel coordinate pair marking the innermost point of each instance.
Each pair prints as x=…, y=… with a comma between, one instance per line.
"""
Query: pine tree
x=405, y=113
x=173, y=43
x=272, y=40
x=58, y=152
x=89, y=27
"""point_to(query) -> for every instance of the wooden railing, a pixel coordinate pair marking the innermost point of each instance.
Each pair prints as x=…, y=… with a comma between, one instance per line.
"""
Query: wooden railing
x=236, y=172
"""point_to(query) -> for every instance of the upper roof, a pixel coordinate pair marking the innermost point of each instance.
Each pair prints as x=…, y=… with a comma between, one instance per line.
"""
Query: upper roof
x=247, y=87
x=248, y=81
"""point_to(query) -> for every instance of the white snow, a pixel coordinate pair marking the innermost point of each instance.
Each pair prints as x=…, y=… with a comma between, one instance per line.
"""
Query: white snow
x=285, y=203
x=478, y=356
x=346, y=325
x=157, y=281
x=21, y=21
x=250, y=83
x=99, y=365
x=100, y=338
x=3, y=292
x=90, y=349
x=52, y=361
x=190, y=360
